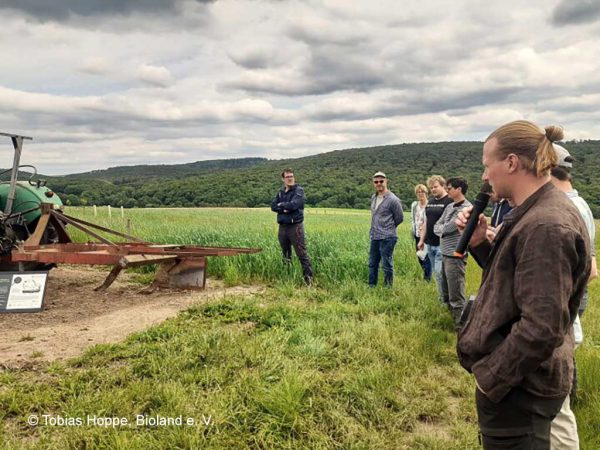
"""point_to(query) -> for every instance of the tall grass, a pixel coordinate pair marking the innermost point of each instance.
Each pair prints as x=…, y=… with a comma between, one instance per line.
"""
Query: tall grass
x=337, y=241
x=337, y=366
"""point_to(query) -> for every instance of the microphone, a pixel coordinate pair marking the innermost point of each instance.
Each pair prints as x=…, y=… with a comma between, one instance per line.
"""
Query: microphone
x=479, y=204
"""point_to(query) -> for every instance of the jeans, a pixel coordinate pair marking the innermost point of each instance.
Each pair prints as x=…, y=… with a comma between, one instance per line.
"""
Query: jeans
x=520, y=421
x=425, y=263
x=293, y=235
x=434, y=253
x=382, y=250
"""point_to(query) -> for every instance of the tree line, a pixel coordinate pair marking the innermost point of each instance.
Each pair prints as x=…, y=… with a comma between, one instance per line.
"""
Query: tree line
x=340, y=179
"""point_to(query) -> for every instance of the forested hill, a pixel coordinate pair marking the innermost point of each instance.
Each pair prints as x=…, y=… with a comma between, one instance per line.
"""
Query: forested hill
x=125, y=174
x=336, y=179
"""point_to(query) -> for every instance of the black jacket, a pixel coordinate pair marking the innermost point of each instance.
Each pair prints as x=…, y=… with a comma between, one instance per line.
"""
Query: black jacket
x=289, y=205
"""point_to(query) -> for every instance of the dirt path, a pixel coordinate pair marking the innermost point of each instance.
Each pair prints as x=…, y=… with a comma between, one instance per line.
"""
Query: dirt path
x=75, y=317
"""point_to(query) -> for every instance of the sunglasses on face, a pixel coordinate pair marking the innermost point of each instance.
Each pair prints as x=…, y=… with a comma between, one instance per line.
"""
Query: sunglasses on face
x=378, y=181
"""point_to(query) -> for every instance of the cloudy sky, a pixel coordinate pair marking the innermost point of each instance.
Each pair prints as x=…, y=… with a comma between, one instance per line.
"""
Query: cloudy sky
x=101, y=83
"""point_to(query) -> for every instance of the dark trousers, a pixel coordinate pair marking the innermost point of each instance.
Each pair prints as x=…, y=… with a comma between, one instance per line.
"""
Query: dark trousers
x=425, y=263
x=520, y=421
x=382, y=250
x=292, y=235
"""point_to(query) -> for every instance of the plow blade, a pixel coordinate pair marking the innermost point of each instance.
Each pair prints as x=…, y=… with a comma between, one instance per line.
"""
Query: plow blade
x=182, y=273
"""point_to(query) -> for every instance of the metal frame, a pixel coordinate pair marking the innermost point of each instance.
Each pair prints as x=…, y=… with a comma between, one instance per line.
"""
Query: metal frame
x=17, y=142
x=181, y=265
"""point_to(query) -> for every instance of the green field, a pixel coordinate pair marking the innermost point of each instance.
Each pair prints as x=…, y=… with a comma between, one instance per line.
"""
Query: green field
x=336, y=365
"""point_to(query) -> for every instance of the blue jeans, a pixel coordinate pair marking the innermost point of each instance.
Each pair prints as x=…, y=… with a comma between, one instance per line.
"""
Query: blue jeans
x=434, y=253
x=382, y=250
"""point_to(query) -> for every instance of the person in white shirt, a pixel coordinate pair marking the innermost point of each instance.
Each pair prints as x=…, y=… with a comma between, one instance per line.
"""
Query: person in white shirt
x=417, y=214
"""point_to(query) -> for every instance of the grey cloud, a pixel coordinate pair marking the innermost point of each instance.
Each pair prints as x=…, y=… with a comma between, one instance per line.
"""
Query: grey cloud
x=423, y=104
x=255, y=86
x=329, y=115
x=322, y=84
x=319, y=36
x=462, y=103
x=333, y=71
x=251, y=60
x=484, y=97
x=353, y=63
x=571, y=12
x=327, y=70
x=62, y=10
x=571, y=107
x=107, y=118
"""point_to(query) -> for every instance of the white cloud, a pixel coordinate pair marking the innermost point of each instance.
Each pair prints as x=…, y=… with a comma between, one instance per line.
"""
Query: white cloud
x=95, y=65
x=155, y=76
x=179, y=80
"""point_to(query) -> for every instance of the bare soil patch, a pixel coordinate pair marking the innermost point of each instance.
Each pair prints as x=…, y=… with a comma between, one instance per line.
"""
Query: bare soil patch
x=76, y=317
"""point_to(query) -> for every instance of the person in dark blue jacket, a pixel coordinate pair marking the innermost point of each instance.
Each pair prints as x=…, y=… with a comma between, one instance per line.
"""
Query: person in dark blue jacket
x=501, y=208
x=289, y=206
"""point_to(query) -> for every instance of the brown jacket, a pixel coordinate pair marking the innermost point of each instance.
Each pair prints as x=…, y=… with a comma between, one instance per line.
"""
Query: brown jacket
x=519, y=332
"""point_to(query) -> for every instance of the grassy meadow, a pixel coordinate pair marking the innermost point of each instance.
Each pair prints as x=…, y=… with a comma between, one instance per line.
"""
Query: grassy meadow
x=333, y=366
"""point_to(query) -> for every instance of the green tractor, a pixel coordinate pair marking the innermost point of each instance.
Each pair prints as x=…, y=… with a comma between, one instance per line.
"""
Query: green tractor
x=26, y=210
x=20, y=204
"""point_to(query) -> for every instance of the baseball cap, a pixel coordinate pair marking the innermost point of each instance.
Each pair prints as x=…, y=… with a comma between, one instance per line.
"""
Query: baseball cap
x=564, y=157
x=379, y=174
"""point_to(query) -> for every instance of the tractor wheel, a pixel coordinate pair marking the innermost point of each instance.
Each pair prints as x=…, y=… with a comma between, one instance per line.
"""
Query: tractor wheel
x=21, y=233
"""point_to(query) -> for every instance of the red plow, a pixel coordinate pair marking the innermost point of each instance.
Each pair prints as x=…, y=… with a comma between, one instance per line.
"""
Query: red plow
x=180, y=266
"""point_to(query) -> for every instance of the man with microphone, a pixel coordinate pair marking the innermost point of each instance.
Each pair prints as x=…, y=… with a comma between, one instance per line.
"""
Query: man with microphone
x=517, y=341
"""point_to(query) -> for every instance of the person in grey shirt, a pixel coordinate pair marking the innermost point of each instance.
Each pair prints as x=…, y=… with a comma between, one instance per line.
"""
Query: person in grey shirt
x=453, y=267
x=562, y=179
x=386, y=215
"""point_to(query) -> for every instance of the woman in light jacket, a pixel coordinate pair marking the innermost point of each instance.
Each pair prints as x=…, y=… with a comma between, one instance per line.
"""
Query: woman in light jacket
x=417, y=214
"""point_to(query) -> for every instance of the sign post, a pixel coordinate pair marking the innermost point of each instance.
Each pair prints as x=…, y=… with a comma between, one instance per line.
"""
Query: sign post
x=22, y=291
